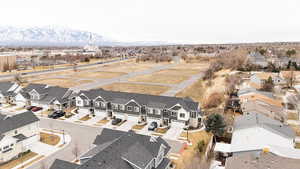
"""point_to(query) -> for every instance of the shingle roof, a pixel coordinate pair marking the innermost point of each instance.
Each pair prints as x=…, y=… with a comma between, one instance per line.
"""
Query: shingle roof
x=260, y=120
x=5, y=86
x=142, y=99
x=122, y=148
x=17, y=121
x=260, y=160
x=60, y=164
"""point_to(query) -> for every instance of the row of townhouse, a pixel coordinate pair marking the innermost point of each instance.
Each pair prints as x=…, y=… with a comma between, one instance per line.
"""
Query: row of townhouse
x=114, y=149
x=7, y=91
x=141, y=106
x=99, y=102
x=18, y=134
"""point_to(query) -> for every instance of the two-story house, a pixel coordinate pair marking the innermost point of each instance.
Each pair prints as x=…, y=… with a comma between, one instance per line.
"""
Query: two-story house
x=122, y=150
x=17, y=134
x=7, y=91
x=43, y=95
x=140, y=106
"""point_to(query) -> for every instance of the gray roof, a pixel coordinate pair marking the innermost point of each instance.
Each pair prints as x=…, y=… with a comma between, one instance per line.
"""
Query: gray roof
x=17, y=121
x=60, y=164
x=142, y=99
x=48, y=93
x=260, y=120
x=119, y=150
x=5, y=86
x=260, y=160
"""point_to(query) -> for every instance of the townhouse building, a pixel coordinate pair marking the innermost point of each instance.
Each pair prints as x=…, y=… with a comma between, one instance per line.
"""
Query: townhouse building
x=141, y=107
x=52, y=97
x=122, y=150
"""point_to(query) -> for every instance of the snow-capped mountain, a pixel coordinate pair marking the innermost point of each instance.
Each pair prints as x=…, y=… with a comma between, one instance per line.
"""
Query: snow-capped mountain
x=50, y=35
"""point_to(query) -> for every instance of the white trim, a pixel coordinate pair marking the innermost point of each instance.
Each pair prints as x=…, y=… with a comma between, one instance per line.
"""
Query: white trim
x=100, y=97
x=131, y=162
x=133, y=101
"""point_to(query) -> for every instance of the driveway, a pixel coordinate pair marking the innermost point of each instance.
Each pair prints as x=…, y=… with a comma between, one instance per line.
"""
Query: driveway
x=82, y=136
x=174, y=132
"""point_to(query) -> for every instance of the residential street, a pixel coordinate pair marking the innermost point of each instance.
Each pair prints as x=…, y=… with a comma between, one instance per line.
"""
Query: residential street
x=82, y=136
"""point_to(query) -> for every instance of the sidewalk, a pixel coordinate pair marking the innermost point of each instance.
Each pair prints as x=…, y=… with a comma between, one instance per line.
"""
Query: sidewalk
x=43, y=150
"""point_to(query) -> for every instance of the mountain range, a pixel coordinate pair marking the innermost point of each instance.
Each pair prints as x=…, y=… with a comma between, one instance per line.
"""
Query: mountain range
x=58, y=36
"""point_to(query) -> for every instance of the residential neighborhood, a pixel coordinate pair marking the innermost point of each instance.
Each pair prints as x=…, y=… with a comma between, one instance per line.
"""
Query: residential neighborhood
x=145, y=84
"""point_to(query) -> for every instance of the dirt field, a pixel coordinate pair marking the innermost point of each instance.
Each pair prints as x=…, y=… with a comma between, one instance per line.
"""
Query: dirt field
x=129, y=66
x=136, y=88
x=97, y=75
x=67, y=83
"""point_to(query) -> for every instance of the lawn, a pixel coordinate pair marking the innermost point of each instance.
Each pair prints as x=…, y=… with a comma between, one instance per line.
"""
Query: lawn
x=18, y=161
x=189, y=153
x=103, y=121
x=136, y=88
x=161, y=130
x=85, y=118
x=49, y=139
x=138, y=127
x=129, y=66
x=292, y=116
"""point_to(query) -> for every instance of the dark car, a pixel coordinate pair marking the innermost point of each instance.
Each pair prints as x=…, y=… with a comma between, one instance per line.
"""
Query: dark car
x=152, y=126
x=116, y=121
x=57, y=114
x=30, y=107
x=35, y=109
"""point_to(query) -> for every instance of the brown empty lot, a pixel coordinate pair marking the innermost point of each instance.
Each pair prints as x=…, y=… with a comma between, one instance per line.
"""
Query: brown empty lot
x=129, y=66
x=62, y=82
x=136, y=88
x=97, y=75
x=169, y=76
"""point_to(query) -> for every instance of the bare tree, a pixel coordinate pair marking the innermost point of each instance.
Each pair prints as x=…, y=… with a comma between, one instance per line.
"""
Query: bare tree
x=290, y=78
x=76, y=151
x=18, y=79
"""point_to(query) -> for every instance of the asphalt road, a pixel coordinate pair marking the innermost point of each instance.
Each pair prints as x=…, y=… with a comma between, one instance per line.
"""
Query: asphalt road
x=82, y=136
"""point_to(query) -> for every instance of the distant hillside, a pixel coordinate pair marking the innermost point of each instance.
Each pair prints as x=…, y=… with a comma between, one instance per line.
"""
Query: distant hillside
x=57, y=36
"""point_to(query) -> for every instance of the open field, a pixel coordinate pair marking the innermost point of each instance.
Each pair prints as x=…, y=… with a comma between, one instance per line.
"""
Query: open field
x=97, y=75
x=129, y=66
x=62, y=82
x=136, y=88
x=159, y=78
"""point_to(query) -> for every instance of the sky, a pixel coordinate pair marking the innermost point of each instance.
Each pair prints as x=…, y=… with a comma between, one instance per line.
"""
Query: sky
x=175, y=21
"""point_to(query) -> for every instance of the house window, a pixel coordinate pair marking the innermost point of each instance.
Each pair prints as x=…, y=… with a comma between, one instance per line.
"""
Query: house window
x=86, y=102
x=97, y=104
x=16, y=131
x=136, y=109
x=148, y=110
x=193, y=114
x=12, y=145
x=5, y=147
x=129, y=108
x=78, y=102
x=173, y=113
x=182, y=115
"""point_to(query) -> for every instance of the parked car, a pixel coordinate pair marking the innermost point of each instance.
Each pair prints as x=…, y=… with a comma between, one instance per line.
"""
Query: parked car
x=153, y=126
x=35, y=109
x=30, y=107
x=57, y=114
x=116, y=121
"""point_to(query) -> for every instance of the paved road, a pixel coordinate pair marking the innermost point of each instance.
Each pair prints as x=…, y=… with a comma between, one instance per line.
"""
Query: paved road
x=40, y=72
x=81, y=135
x=176, y=89
x=102, y=82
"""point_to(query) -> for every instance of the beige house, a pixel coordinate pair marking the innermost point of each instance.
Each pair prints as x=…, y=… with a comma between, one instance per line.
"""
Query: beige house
x=17, y=134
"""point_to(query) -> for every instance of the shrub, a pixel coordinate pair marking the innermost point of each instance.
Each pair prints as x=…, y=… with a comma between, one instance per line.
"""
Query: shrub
x=214, y=100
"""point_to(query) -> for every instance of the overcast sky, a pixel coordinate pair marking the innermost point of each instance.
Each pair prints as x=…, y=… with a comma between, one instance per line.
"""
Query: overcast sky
x=180, y=21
